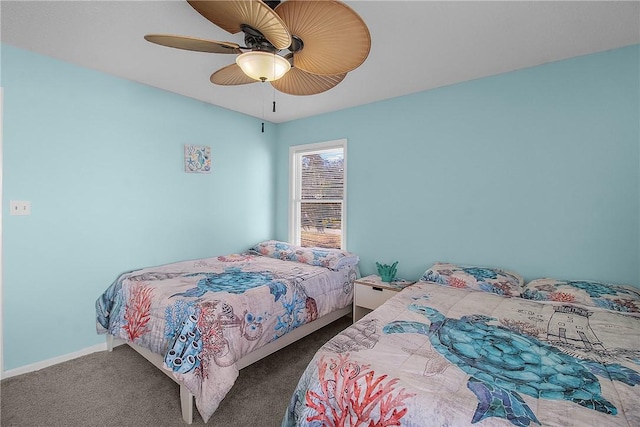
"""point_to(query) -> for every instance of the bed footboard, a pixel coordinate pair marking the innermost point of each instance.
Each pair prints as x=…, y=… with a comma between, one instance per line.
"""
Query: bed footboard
x=186, y=397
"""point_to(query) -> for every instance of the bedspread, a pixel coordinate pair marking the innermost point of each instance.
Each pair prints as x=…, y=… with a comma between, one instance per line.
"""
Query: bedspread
x=204, y=315
x=440, y=356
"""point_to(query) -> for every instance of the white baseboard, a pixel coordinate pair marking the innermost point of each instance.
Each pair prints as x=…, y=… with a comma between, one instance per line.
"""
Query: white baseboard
x=54, y=361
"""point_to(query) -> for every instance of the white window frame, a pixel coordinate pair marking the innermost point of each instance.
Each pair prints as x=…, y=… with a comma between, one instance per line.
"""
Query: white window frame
x=295, y=177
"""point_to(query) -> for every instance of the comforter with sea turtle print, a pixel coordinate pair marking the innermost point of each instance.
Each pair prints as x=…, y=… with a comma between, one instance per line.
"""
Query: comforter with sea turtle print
x=441, y=356
x=204, y=315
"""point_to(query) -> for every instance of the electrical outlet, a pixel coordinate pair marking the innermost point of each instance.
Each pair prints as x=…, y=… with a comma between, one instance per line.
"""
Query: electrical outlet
x=19, y=207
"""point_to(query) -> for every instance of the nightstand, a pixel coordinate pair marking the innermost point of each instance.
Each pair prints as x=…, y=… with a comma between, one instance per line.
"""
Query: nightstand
x=371, y=292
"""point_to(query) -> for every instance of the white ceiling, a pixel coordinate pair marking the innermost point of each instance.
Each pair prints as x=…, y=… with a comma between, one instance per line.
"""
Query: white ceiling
x=416, y=45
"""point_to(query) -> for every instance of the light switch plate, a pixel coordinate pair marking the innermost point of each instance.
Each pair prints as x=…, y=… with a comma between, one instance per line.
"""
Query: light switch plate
x=19, y=207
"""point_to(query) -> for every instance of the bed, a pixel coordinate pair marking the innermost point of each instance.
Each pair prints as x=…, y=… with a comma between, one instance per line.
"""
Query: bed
x=201, y=321
x=475, y=346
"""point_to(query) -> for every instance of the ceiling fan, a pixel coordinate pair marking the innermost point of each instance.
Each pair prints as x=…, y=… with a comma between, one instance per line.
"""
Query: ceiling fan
x=302, y=47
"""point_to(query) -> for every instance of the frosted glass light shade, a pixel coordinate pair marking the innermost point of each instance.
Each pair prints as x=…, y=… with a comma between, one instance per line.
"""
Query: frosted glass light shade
x=263, y=66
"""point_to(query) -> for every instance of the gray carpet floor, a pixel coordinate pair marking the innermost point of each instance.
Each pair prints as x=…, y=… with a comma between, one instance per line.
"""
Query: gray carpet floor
x=123, y=389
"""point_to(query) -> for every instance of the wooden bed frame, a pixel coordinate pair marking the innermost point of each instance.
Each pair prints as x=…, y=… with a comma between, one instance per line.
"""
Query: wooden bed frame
x=186, y=398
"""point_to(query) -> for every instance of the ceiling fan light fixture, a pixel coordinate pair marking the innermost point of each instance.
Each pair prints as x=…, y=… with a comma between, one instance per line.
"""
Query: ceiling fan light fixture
x=263, y=66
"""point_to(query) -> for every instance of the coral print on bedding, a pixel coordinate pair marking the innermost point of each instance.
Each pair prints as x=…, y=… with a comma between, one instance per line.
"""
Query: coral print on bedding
x=622, y=298
x=206, y=314
x=435, y=355
x=485, y=279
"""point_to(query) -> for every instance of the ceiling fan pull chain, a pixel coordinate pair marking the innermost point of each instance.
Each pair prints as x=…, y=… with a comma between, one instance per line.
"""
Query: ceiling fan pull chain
x=274, y=89
x=262, y=103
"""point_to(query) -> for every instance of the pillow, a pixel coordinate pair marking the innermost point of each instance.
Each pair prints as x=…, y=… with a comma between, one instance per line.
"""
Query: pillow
x=483, y=279
x=620, y=298
x=333, y=259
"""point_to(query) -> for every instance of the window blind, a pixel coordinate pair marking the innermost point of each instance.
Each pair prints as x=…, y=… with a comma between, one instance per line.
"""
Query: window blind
x=321, y=198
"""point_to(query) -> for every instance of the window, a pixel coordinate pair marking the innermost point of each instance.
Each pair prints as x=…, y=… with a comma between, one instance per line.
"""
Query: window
x=317, y=195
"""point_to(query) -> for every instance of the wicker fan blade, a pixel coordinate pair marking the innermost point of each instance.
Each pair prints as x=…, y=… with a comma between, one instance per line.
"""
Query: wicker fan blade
x=231, y=14
x=299, y=82
x=231, y=75
x=193, y=43
x=336, y=40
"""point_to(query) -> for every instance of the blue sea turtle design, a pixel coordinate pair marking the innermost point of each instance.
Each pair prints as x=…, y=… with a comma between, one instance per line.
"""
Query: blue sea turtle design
x=235, y=281
x=502, y=363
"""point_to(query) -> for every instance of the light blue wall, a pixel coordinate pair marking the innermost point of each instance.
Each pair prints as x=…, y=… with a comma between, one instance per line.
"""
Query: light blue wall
x=535, y=170
x=101, y=160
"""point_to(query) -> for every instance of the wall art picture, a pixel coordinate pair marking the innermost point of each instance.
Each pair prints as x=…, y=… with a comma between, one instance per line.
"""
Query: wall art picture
x=197, y=159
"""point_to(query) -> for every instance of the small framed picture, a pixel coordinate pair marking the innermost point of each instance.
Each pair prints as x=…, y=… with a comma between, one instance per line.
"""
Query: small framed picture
x=197, y=159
